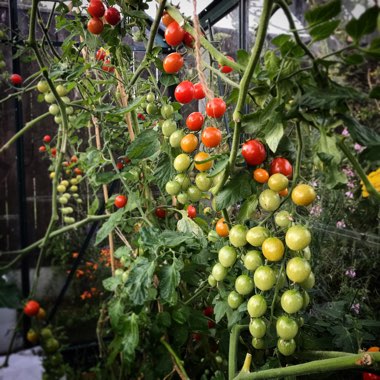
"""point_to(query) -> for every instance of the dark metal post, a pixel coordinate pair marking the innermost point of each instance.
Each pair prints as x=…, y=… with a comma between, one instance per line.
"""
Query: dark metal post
x=22, y=212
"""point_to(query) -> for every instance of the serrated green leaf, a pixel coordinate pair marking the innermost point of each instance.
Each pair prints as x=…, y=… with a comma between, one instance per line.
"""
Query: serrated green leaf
x=187, y=225
x=324, y=30
x=109, y=226
x=130, y=336
x=131, y=106
x=164, y=170
x=242, y=57
x=273, y=134
x=221, y=164
x=169, y=80
x=220, y=309
x=111, y=283
x=365, y=24
x=146, y=145
x=170, y=278
x=323, y=12
x=272, y=63
x=94, y=206
x=247, y=209
x=281, y=40
x=181, y=315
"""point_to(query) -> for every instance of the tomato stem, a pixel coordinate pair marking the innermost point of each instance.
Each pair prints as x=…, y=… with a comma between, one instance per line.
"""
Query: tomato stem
x=232, y=353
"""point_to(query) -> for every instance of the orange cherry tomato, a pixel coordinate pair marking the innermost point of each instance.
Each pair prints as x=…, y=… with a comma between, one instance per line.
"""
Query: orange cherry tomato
x=260, y=175
x=211, y=137
x=189, y=143
x=201, y=156
x=222, y=228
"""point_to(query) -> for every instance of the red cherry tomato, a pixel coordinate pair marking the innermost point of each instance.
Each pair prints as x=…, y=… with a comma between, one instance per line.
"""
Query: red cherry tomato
x=77, y=171
x=96, y=8
x=160, y=212
x=253, y=152
x=174, y=34
x=211, y=137
x=191, y=211
x=198, y=91
x=120, y=165
x=196, y=337
x=195, y=121
x=216, y=108
x=172, y=63
x=31, y=308
x=95, y=26
x=42, y=148
x=184, y=92
x=188, y=40
x=140, y=116
x=100, y=54
x=107, y=66
x=120, y=201
x=112, y=16
x=370, y=376
x=46, y=139
x=208, y=311
x=210, y=324
x=16, y=79
x=225, y=69
x=53, y=151
x=74, y=158
x=281, y=165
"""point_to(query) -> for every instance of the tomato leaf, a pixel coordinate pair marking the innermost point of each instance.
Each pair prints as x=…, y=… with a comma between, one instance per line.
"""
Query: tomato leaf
x=324, y=30
x=242, y=57
x=323, y=12
x=247, y=209
x=181, y=314
x=365, y=24
x=273, y=134
x=169, y=280
x=168, y=80
x=272, y=63
x=220, y=309
x=221, y=164
x=111, y=283
x=9, y=295
x=109, y=226
x=164, y=170
x=130, y=339
x=187, y=225
x=146, y=145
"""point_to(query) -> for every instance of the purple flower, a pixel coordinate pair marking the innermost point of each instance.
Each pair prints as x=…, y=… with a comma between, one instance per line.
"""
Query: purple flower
x=316, y=210
x=340, y=224
x=348, y=172
x=345, y=132
x=349, y=194
x=359, y=148
x=350, y=272
x=356, y=308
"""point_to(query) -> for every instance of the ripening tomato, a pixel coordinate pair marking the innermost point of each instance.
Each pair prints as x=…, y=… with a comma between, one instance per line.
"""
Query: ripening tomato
x=257, y=235
x=199, y=92
x=260, y=175
x=216, y=108
x=100, y=55
x=120, y=201
x=222, y=228
x=253, y=152
x=96, y=8
x=195, y=121
x=273, y=249
x=370, y=376
x=188, y=40
x=16, y=79
x=167, y=19
x=32, y=336
x=173, y=63
x=189, y=143
x=211, y=137
x=31, y=308
x=281, y=165
x=112, y=16
x=107, y=66
x=191, y=211
x=174, y=34
x=42, y=149
x=303, y=195
x=225, y=69
x=184, y=92
x=95, y=26
x=53, y=152
x=160, y=212
x=278, y=182
x=202, y=167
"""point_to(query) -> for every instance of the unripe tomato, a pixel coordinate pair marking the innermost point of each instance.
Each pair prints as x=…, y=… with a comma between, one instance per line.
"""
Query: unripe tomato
x=182, y=162
x=184, y=92
x=287, y=328
x=183, y=180
x=61, y=90
x=191, y=211
x=298, y=269
x=168, y=127
x=252, y=260
x=219, y=272
x=182, y=198
x=189, y=143
x=16, y=79
x=95, y=26
x=203, y=182
x=174, y=34
x=199, y=91
x=309, y=282
x=257, y=327
x=238, y=235
x=42, y=86
x=173, y=63
x=54, y=109
x=31, y=308
x=281, y=165
x=175, y=138
x=211, y=137
x=151, y=109
x=160, y=212
x=227, y=256
x=167, y=111
x=297, y=237
x=256, y=306
x=41, y=315
x=32, y=336
x=260, y=175
x=306, y=300
x=120, y=201
x=96, y=8
x=216, y=108
x=222, y=228
x=194, y=194
x=112, y=16
x=257, y=235
x=46, y=333
x=283, y=219
x=258, y=344
x=291, y=301
x=234, y=300
x=269, y=200
x=273, y=249
x=225, y=69
x=253, y=152
x=173, y=188
x=303, y=195
x=244, y=284
x=195, y=121
x=211, y=281
x=278, y=182
x=286, y=347
x=51, y=345
x=264, y=277
x=201, y=156
x=49, y=97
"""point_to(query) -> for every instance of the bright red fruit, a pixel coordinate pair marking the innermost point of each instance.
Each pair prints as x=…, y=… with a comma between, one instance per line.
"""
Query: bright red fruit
x=53, y=152
x=42, y=148
x=160, y=212
x=16, y=79
x=120, y=201
x=211, y=137
x=96, y=8
x=46, y=139
x=184, y=92
x=107, y=66
x=31, y=308
x=370, y=376
x=77, y=171
x=191, y=211
x=188, y=40
x=101, y=54
x=226, y=69
x=198, y=91
x=208, y=311
x=174, y=34
x=253, y=152
x=95, y=25
x=216, y=108
x=140, y=116
x=281, y=165
x=112, y=16
x=195, y=121
x=172, y=63
x=120, y=165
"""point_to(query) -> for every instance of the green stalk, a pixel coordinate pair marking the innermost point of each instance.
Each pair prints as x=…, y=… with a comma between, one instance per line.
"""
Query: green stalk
x=232, y=353
x=221, y=75
x=316, y=366
x=176, y=359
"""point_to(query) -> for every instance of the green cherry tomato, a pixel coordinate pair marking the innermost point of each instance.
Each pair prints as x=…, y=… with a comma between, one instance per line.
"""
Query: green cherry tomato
x=291, y=301
x=258, y=344
x=244, y=284
x=211, y=281
x=256, y=236
x=309, y=282
x=194, y=194
x=61, y=90
x=298, y=269
x=283, y=219
x=151, y=109
x=280, y=278
x=237, y=235
x=307, y=253
x=273, y=249
x=203, y=182
x=256, y=306
x=168, y=127
x=278, y=182
x=257, y=327
x=227, y=256
x=49, y=97
x=167, y=111
x=286, y=327
x=42, y=86
x=219, y=272
x=182, y=162
x=183, y=180
x=173, y=188
x=234, y=300
x=182, y=198
x=264, y=277
x=297, y=237
x=286, y=347
x=150, y=98
x=252, y=260
x=306, y=300
x=175, y=138
x=269, y=200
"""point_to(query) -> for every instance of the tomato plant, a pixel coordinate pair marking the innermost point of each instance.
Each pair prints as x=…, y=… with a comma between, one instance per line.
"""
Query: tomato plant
x=31, y=308
x=112, y=16
x=96, y=8
x=174, y=34
x=281, y=165
x=172, y=63
x=253, y=152
x=184, y=92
